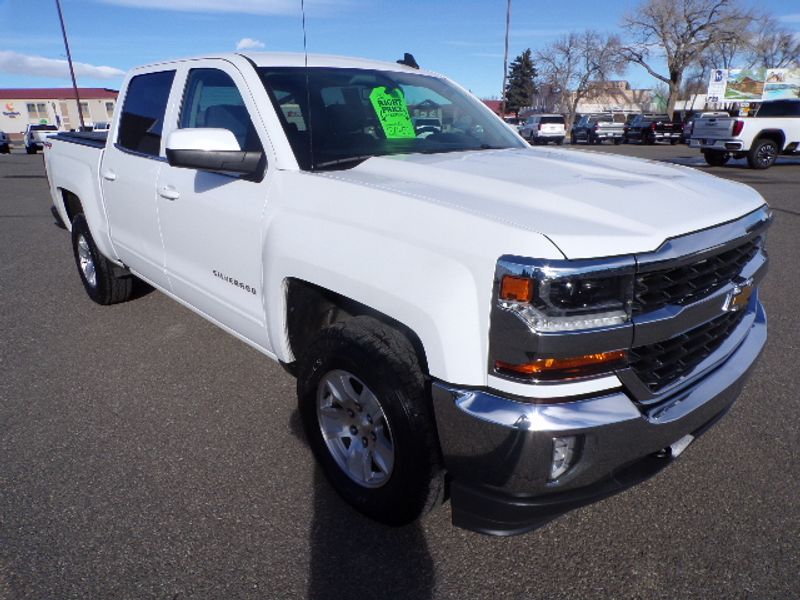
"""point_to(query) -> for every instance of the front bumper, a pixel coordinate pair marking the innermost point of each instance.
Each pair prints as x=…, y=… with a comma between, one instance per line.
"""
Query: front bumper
x=498, y=450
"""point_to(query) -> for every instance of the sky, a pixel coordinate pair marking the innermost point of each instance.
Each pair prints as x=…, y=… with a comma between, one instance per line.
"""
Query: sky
x=460, y=38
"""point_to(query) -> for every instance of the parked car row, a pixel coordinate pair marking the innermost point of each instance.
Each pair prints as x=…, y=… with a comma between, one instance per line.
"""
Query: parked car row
x=5, y=146
x=644, y=128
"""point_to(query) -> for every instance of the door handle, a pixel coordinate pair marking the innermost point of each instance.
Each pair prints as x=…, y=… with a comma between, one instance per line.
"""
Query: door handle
x=169, y=192
x=108, y=175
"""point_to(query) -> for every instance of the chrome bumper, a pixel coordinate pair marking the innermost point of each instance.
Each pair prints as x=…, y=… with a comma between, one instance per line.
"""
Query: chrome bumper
x=498, y=450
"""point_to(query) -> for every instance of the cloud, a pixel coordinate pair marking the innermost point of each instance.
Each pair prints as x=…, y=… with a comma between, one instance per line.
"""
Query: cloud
x=249, y=7
x=39, y=66
x=249, y=44
x=795, y=18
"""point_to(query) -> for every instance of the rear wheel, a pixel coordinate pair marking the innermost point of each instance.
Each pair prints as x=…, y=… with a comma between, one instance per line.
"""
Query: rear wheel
x=573, y=139
x=30, y=149
x=617, y=141
x=716, y=158
x=367, y=415
x=763, y=154
x=97, y=273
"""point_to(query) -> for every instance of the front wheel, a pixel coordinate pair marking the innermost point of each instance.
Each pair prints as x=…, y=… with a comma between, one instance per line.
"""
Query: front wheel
x=763, y=154
x=367, y=415
x=97, y=273
x=716, y=158
x=30, y=149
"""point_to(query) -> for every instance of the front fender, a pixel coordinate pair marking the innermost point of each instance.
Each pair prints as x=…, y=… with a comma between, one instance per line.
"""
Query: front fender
x=424, y=266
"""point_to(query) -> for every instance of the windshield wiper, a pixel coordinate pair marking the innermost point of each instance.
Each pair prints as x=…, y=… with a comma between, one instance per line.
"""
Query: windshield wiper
x=344, y=161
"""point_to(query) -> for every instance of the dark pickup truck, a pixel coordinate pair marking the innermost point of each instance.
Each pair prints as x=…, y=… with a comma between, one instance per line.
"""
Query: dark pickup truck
x=649, y=129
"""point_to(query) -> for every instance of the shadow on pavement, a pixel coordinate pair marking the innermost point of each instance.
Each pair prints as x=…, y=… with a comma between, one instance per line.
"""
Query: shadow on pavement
x=354, y=557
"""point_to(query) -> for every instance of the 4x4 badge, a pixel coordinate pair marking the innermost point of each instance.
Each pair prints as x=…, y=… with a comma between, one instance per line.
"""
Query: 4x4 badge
x=738, y=297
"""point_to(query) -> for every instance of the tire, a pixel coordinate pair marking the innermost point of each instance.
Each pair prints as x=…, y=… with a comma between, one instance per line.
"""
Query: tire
x=645, y=141
x=673, y=141
x=560, y=142
x=361, y=366
x=95, y=270
x=617, y=141
x=30, y=149
x=572, y=139
x=763, y=154
x=716, y=158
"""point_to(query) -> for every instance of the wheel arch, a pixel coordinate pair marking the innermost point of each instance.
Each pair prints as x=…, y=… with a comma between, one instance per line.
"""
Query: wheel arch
x=776, y=135
x=310, y=308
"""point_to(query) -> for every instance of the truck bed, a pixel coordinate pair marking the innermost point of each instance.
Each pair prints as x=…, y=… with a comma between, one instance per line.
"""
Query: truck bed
x=96, y=139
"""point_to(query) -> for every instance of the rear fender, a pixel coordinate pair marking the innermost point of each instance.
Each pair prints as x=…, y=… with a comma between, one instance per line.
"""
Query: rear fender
x=74, y=176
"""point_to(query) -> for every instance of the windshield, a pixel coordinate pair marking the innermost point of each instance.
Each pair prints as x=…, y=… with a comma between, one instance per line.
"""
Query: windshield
x=345, y=116
x=44, y=128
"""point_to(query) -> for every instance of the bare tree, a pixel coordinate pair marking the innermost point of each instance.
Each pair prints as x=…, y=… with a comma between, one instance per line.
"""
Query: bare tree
x=679, y=32
x=577, y=63
x=772, y=45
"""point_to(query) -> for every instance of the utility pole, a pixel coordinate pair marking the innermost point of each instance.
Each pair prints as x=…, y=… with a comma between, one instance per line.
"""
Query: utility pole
x=505, y=61
x=69, y=60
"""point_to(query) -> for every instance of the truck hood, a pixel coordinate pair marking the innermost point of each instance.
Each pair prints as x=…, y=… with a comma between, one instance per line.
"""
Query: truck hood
x=589, y=204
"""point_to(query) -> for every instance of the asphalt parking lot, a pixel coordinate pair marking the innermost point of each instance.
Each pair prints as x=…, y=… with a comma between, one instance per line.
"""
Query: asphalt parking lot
x=144, y=453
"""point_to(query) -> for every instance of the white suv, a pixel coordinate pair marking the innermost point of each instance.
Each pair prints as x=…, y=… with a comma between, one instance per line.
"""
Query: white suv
x=540, y=129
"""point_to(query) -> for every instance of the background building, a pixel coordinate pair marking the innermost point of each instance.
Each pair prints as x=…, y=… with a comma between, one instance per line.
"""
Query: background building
x=53, y=106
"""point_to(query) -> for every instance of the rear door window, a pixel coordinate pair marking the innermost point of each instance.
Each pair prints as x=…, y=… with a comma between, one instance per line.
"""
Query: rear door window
x=556, y=120
x=779, y=108
x=143, y=112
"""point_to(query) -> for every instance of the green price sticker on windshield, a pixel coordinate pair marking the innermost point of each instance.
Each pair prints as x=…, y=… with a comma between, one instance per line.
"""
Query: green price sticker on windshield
x=392, y=111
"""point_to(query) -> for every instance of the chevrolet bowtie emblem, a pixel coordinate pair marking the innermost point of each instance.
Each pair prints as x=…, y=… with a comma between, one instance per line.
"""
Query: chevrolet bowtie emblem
x=739, y=296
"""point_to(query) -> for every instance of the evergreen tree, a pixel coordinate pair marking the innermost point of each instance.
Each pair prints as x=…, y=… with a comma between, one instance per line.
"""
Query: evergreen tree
x=521, y=87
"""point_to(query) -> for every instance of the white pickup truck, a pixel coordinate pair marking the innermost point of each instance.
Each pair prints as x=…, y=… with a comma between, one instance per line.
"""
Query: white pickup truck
x=774, y=130
x=526, y=329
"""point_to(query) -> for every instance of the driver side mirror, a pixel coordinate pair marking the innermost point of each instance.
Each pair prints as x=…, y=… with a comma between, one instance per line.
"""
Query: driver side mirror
x=209, y=149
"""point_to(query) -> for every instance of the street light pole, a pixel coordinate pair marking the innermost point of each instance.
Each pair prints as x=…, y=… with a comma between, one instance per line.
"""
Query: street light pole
x=505, y=61
x=69, y=60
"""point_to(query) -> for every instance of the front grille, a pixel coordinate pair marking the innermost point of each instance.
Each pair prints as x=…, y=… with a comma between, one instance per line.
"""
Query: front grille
x=689, y=283
x=657, y=365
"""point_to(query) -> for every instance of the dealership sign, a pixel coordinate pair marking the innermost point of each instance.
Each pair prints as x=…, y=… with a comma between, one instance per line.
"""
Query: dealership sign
x=748, y=85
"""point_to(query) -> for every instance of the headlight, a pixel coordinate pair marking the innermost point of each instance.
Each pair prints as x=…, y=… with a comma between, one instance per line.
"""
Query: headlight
x=559, y=296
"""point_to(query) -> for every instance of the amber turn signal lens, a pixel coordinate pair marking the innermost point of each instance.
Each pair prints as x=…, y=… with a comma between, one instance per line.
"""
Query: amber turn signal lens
x=516, y=288
x=566, y=368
